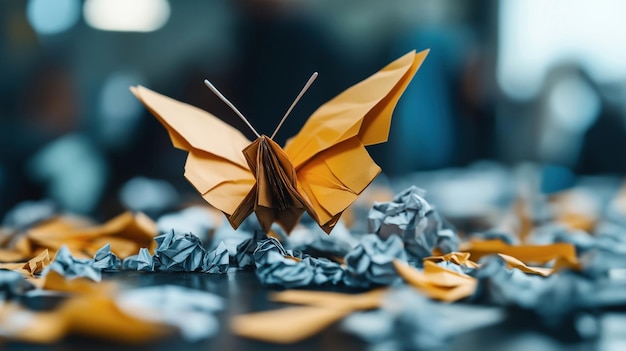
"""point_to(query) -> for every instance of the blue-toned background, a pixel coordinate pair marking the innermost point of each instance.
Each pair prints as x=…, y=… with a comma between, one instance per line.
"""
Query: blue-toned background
x=510, y=81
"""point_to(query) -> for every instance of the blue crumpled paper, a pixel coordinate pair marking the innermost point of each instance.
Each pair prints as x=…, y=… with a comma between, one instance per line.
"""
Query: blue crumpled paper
x=414, y=220
x=106, y=260
x=143, y=261
x=70, y=267
x=326, y=271
x=502, y=286
x=408, y=320
x=564, y=301
x=190, y=310
x=13, y=284
x=371, y=261
x=216, y=261
x=600, y=254
x=277, y=266
x=179, y=252
x=244, y=257
x=312, y=239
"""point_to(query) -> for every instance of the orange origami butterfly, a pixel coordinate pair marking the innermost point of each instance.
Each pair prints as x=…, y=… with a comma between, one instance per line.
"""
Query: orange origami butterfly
x=321, y=170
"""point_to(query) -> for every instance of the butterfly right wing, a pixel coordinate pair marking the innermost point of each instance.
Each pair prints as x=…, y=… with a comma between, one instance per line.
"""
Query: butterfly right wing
x=215, y=166
x=329, y=152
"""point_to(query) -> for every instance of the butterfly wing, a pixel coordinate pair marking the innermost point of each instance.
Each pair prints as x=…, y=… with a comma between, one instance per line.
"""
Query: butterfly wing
x=333, y=167
x=215, y=165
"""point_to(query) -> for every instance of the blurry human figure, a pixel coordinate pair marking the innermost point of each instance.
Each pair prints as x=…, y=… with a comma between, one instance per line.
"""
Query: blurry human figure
x=446, y=116
x=425, y=124
x=570, y=102
x=579, y=129
x=52, y=158
x=476, y=108
x=604, y=142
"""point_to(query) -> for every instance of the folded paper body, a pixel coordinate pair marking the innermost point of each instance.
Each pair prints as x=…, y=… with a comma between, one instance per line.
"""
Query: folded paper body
x=321, y=170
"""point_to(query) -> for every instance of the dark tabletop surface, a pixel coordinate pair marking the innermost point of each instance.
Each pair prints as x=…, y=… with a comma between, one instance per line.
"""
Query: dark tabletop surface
x=244, y=293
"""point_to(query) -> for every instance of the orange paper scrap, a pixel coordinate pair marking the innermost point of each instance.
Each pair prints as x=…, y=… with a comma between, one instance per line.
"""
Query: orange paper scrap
x=286, y=325
x=30, y=269
x=292, y=324
x=17, y=323
x=460, y=258
x=36, y=264
x=321, y=170
x=365, y=301
x=9, y=255
x=97, y=315
x=91, y=315
x=54, y=281
x=529, y=254
x=437, y=282
x=513, y=262
x=126, y=234
x=88, y=310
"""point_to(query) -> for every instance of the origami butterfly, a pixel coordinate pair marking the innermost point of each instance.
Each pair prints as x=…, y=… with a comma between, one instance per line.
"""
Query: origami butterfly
x=321, y=170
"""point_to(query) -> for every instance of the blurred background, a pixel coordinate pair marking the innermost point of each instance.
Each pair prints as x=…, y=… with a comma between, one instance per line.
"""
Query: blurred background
x=507, y=83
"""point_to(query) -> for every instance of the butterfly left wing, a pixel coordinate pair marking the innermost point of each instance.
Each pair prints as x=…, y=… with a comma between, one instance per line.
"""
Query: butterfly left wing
x=333, y=167
x=215, y=165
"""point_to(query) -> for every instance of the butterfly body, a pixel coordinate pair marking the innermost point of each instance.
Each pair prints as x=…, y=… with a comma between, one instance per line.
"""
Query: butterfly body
x=321, y=170
x=275, y=195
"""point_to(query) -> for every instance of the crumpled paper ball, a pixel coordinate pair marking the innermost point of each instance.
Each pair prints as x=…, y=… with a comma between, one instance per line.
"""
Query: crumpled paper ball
x=190, y=310
x=314, y=240
x=371, y=261
x=179, y=252
x=191, y=257
x=140, y=262
x=406, y=321
x=326, y=271
x=412, y=218
x=245, y=250
x=106, y=260
x=280, y=267
x=13, y=284
x=70, y=267
x=563, y=302
x=502, y=286
x=275, y=267
x=216, y=261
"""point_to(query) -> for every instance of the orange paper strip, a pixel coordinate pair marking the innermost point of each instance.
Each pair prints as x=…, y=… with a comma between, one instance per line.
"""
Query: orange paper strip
x=529, y=254
x=364, y=301
x=437, y=282
x=293, y=324
x=513, y=262
x=460, y=258
x=286, y=325
x=126, y=234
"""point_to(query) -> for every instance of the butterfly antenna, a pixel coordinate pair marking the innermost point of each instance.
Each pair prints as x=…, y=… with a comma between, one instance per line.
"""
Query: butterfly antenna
x=306, y=87
x=230, y=104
